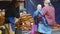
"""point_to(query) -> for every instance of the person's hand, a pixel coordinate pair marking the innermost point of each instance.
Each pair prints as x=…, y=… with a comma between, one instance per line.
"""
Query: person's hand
x=39, y=16
x=16, y=20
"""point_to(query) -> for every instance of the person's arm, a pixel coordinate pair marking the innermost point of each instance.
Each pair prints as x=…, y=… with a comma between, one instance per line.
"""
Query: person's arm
x=43, y=12
x=35, y=14
x=16, y=14
x=16, y=19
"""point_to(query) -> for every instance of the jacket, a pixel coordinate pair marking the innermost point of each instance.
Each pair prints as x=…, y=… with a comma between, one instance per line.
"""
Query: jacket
x=49, y=13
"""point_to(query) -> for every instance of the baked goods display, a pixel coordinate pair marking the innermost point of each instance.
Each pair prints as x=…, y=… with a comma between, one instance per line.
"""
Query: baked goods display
x=56, y=26
x=24, y=22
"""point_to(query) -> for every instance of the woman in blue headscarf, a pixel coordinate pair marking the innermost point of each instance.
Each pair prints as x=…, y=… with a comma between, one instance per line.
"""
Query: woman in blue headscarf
x=38, y=18
x=46, y=26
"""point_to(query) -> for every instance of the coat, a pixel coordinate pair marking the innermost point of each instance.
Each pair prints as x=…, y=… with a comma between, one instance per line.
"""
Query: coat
x=49, y=13
x=35, y=16
x=39, y=18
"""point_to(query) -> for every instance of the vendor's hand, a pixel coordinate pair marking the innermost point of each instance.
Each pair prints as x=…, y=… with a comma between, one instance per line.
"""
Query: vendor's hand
x=16, y=20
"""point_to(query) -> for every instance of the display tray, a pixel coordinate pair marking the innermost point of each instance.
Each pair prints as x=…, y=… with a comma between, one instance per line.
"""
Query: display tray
x=22, y=32
x=56, y=31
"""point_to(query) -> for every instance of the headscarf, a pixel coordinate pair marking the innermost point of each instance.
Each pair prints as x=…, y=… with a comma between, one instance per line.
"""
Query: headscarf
x=39, y=11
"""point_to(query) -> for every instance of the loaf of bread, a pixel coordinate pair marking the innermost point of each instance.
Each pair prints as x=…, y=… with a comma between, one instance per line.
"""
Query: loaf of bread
x=56, y=26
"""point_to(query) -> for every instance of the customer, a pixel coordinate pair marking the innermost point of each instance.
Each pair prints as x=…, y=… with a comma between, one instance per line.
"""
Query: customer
x=49, y=13
x=37, y=17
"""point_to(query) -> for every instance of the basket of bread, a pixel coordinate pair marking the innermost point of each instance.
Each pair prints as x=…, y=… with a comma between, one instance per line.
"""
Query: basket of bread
x=24, y=22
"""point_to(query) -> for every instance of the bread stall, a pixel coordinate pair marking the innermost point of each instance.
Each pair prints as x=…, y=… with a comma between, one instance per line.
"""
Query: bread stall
x=25, y=22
